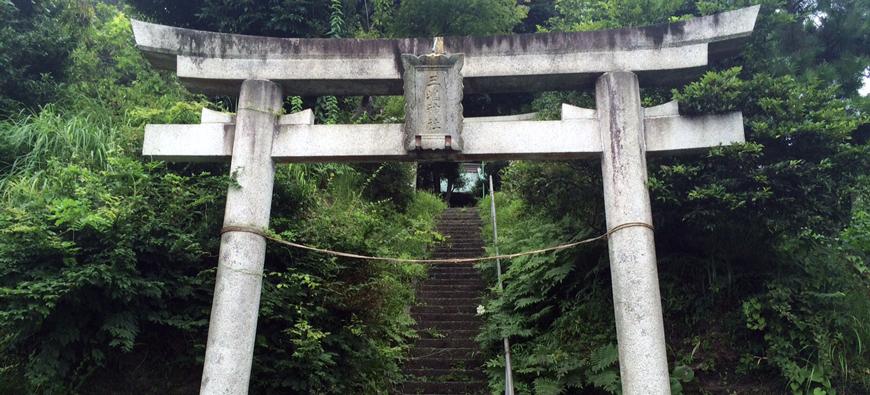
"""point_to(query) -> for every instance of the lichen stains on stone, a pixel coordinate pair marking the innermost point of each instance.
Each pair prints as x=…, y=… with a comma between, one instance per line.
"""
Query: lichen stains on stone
x=208, y=44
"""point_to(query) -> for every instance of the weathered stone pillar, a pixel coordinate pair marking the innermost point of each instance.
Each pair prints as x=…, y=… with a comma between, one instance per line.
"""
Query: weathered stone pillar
x=233, y=322
x=640, y=331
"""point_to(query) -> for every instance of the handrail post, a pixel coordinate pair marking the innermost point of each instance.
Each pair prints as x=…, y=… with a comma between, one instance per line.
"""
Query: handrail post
x=508, y=371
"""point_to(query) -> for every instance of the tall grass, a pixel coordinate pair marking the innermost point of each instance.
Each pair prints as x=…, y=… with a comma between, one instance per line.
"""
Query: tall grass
x=29, y=143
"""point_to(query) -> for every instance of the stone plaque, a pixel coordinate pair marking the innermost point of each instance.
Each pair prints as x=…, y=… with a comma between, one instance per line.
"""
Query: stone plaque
x=433, y=101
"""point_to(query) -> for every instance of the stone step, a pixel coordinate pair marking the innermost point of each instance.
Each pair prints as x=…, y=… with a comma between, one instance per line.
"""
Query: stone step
x=467, y=309
x=439, y=326
x=451, y=266
x=457, y=251
x=459, y=214
x=430, y=317
x=454, y=282
x=435, y=375
x=471, y=302
x=454, y=221
x=472, y=216
x=459, y=223
x=449, y=353
x=466, y=279
x=457, y=293
x=443, y=363
x=448, y=277
x=456, y=269
x=465, y=243
x=445, y=359
x=459, y=269
x=461, y=245
x=426, y=286
x=453, y=242
x=453, y=334
x=451, y=255
x=469, y=229
x=460, y=220
x=460, y=211
x=473, y=249
x=461, y=233
x=462, y=250
x=459, y=226
x=446, y=343
x=461, y=237
x=457, y=254
x=473, y=257
x=444, y=387
x=472, y=241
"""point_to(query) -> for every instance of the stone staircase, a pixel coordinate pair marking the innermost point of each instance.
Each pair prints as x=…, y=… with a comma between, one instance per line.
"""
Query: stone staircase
x=446, y=359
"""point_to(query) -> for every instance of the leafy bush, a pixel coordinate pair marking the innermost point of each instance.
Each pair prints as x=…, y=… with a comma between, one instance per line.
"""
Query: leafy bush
x=753, y=234
x=444, y=17
x=107, y=262
x=35, y=42
x=95, y=260
x=553, y=308
x=320, y=314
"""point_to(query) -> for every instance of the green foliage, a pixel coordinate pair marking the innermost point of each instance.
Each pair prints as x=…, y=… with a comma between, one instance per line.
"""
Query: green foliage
x=763, y=235
x=327, y=110
x=107, y=262
x=797, y=166
x=336, y=19
x=584, y=15
x=282, y=18
x=546, y=306
x=93, y=260
x=823, y=40
x=30, y=143
x=111, y=79
x=35, y=42
x=320, y=314
x=416, y=18
x=382, y=16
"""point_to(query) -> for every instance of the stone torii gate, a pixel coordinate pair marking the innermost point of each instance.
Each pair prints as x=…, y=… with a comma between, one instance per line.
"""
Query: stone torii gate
x=619, y=132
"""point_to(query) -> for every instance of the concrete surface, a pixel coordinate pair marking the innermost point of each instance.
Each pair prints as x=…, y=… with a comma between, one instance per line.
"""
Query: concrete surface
x=643, y=364
x=236, y=304
x=663, y=54
x=491, y=138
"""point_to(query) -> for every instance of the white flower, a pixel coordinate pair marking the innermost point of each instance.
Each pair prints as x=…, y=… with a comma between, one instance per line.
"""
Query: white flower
x=481, y=310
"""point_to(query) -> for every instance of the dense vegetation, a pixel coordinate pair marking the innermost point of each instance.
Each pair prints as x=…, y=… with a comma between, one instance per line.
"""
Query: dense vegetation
x=107, y=261
x=762, y=247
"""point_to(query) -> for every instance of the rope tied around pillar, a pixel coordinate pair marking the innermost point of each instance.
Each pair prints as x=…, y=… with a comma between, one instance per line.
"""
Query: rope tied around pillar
x=243, y=271
x=275, y=113
x=264, y=234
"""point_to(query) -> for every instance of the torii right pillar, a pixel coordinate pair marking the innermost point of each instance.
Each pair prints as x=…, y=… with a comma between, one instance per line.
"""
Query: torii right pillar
x=643, y=364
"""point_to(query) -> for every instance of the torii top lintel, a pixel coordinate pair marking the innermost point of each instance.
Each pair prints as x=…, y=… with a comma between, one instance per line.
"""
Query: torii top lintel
x=663, y=54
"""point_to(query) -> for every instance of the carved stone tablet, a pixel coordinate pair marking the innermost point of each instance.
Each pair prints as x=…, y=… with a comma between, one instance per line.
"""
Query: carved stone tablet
x=433, y=101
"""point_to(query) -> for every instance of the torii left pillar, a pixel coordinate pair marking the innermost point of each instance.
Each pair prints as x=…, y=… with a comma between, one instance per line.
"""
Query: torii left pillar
x=233, y=323
x=640, y=333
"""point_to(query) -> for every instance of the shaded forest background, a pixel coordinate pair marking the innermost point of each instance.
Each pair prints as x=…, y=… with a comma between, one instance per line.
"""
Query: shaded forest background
x=107, y=260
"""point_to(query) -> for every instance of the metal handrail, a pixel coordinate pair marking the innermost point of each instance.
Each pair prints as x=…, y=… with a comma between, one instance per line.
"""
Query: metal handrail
x=508, y=371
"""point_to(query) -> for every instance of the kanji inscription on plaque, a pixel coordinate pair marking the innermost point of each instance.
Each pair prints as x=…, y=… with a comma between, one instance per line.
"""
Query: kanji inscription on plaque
x=433, y=101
